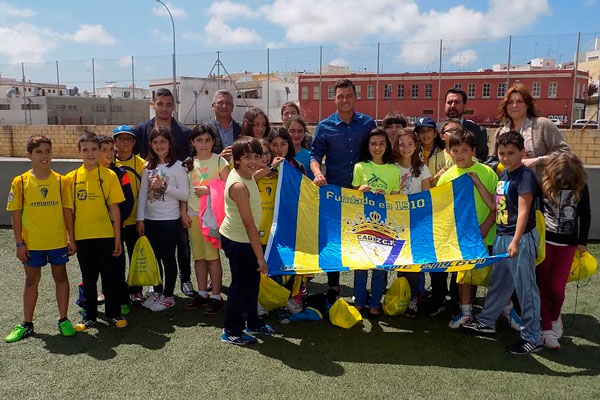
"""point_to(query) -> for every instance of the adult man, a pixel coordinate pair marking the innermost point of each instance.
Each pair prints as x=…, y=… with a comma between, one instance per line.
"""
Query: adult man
x=339, y=138
x=456, y=99
x=228, y=130
x=164, y=105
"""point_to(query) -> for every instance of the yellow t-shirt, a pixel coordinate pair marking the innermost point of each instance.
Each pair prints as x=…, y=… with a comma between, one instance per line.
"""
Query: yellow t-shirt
x=133, y=163
x=204, y=171
x=43, y=220
x=267, y=187
x=439, y=160
x=92, y=219
x=489, y=179
x=233, y=227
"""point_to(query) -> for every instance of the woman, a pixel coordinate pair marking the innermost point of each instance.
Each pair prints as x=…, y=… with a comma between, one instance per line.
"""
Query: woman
x=255, y=124
x=290, y=109
x=542, y=138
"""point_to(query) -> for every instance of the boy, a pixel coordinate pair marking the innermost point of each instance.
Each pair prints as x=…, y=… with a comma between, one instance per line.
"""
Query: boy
x=96, y=195
x=41, y=217
x=462, y=149
x=106, y=160
x=517, y=236
x=124, y=143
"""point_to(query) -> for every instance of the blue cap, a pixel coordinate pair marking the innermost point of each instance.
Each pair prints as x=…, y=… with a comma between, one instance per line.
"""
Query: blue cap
x=123, y=129
x=424, y=122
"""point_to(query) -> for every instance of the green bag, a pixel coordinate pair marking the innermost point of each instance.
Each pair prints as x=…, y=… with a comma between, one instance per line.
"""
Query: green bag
x=143, y=270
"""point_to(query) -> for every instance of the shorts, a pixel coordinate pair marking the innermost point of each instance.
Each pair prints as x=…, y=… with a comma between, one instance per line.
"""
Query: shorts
x=201, y=248
x=39, y=258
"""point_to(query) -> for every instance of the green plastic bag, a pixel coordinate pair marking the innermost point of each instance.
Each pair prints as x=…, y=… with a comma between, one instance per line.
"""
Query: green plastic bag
x=143, y=270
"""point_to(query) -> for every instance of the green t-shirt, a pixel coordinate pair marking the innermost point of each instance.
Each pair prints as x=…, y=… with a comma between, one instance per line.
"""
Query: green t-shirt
x=385, y=176
x=489, y=179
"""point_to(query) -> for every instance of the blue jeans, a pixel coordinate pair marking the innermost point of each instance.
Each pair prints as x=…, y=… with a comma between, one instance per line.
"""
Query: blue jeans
x=377, y=285
x=518, y=274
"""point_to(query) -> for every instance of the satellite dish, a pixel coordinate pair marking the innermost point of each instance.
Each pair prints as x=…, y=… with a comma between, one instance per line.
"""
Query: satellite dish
x=10, y=93
x=74, y=91
x=86, y=93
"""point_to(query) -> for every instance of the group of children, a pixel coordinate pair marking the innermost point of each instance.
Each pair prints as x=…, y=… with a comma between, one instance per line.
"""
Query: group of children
x=115, y=197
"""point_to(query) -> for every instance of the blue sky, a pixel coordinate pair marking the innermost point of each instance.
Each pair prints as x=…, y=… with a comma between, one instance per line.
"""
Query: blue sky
x=110, y=31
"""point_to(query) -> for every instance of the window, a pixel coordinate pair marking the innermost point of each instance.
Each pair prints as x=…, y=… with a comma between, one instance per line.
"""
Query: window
x=485, y=93
x=552, y=90
x=400, y=91
x=501, y=89
x=126, y=94
x=536, y=89
x=116, y=108
x=304, y=92
x=330, y=92
x=427, y=112
x=370, y=92
x=458, y=86
x=4, y=106
x=31, y=106
x=471, y=91
x=428, y=90
x=577, y=96
x=414, y=91
x=387, y=91
x=358, y=92
x=100, y=108
x=316, y=92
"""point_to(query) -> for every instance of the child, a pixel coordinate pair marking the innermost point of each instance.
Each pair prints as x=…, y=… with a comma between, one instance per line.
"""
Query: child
x=414, y=178
x=567, y=214
x=241, y=244
x=106, y=160
x=255, y=123
x=124, y=142
x=431, y=143
x=462, y=149
x=164, y=185
x=393, y=123
x=375, y=173
x=517, y=236
x=202, y=167
x=282, y=146
x=441, y=161
x=96, y=197
x=298, y=130
x=41, y=218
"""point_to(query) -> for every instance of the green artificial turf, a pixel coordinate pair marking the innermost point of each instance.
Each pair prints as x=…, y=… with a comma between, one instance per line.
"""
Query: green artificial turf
x=178, y=354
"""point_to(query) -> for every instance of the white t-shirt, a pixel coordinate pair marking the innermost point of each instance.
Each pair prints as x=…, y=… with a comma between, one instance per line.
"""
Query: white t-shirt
x=163, y=204
x=410, y=184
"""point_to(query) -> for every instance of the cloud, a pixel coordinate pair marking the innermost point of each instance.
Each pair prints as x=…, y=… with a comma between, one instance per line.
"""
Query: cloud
x=218, y=32
x=24, y=42
x=191, y=36
x=226, y=10
x=93, y=34
x=176, y=12
x=6, y=10
x=464, y=57
x=275, y=45
x=125, y=62
x=339, y=62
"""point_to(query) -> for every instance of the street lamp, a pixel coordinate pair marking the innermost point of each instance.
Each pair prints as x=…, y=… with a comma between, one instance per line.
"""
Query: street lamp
x=175, y=97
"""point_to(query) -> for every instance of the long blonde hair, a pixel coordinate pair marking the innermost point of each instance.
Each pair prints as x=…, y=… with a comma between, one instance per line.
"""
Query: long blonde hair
x=563, y=171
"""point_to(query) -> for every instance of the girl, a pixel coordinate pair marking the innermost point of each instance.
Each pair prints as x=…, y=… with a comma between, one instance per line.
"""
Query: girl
x=241, y=244
x=298, y=130
x=255, y=123
x=376, y=173
x=283, y=147
x=567, y=214
x=164, y=185
x=441, y=161
x=414, y=178
x=431, y=143
x=202, y=167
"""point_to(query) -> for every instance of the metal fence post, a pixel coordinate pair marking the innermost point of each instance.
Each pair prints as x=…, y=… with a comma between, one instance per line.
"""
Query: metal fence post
x=320, y=80
x=24, y=93
x=133, y=92
x=377, y=85
x=439, y=97
x=58, y=88
x=508, y=65
x=575, y=80
x=268, y=81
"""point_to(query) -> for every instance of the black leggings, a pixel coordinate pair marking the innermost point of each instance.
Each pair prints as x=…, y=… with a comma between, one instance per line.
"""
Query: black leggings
x=163, y=238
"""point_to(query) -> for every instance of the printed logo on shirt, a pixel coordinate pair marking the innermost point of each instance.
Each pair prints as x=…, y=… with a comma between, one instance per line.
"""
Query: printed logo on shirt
x=44, y=192
x=82, y=194
x=501, y=193
x=11, y=197
x=377, y=183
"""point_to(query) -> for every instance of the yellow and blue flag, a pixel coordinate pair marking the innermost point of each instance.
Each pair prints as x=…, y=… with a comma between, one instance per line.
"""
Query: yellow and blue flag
x=330, y=228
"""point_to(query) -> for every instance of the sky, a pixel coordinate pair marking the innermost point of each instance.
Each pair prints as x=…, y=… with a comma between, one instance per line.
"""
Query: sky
x=475, y=35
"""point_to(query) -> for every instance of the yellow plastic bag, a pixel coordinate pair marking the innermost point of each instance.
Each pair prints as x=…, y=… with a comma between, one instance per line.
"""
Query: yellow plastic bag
x=272, y=295
x=584, y=265
x=343, y=314
x=397, y=297
x=540, y=226
x=475, y=277
x=143, y=270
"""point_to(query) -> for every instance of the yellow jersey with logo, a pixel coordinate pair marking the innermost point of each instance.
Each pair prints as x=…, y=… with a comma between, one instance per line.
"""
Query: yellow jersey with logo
x=267, y=187
x=134, y=166
x=42, y=202
x=93, y=191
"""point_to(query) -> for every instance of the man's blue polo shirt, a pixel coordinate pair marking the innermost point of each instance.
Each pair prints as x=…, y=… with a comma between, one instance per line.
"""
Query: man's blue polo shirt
x=340, y=143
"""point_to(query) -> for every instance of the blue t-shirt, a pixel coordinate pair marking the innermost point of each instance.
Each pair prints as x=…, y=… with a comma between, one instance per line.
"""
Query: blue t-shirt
x=510, y=186
x=303, y=157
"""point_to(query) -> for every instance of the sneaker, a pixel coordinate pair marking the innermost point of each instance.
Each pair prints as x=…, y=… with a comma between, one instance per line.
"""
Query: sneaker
x=83, y=325
x=435, y=307
x=283, y=316
x=479, y=327
x=523, y=347
x=125, y=309
x=243, y=340
x=20, y=331
x=261, y=310
x=101, y=299
x=513, y=320
x=411, y=310
x=119, y=321
x=214, y=306
x=459, y=320
x=263, y=330
x=66, y=328
x=550, y=340
x=293, y=307
x=136, y=298
x=163, y=303
x=197, y=303
x=188, y=289
x=558, y=328
x=152, y=297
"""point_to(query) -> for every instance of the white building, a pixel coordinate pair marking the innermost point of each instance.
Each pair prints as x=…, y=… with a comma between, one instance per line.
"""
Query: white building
x=116, y=92
x=534, y=64
x=10, y=87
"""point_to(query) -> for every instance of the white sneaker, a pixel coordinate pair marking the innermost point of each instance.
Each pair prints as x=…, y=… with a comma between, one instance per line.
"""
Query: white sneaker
x=513, y=319
x=163, y=303
x=151, y=298
x=550, y=340
x=558, y=328
x=261, y=310
x=458, y=320
x=293, y=307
